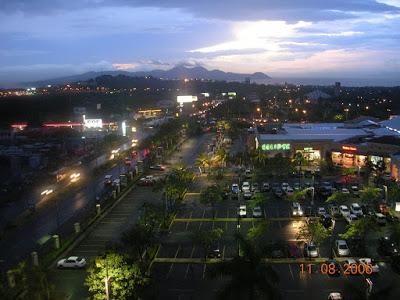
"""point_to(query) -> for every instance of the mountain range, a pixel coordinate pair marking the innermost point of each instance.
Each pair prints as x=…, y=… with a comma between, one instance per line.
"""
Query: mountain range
x=177, y=72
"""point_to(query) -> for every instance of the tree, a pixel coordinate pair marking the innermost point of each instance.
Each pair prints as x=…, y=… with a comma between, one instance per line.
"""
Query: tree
x=360, y=228
x=249, y=276
x=369, y=195
x=313, y=232
x=212, y=195
x=176, y=184
x=259, y=199
x=205, y=238
x=258, y=231
x=297, y=196
x=124, y=278
x=339, y=198
x=34, y=282
x=203, y=161
x=138, y=239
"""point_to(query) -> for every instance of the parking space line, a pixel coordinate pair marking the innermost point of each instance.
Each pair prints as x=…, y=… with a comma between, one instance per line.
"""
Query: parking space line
x=191, y=254
x=187, y=223
x=291, y=271
x=204, y=270
x=223, y=253
x=172, y=264
x=265, y=213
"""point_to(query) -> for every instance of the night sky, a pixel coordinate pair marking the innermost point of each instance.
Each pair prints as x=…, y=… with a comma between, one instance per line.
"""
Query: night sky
x=42, y=39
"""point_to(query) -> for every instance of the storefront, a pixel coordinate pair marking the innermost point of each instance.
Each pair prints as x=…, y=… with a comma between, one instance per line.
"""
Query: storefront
x=310, y=154
x=352, y=156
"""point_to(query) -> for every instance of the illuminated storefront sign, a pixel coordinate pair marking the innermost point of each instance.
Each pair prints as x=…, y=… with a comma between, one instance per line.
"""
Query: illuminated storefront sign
x=349, y=148
x=272, y=147
x=93, y=123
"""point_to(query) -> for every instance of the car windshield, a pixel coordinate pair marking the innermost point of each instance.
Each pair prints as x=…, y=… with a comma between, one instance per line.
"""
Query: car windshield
x=312, y=248
x=342, y=247
x=79, y=258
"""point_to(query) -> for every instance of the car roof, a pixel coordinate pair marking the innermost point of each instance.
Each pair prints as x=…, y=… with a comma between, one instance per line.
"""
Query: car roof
x=72, y=258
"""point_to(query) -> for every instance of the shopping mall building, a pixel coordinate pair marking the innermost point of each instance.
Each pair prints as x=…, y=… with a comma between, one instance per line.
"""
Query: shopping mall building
x=349, y=144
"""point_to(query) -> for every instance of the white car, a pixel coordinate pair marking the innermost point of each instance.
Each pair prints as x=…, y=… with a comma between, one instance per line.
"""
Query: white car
x=344, y=210
x=284, y=186
x=245, y=186
x=296, y=209
x=321, y=211
x=310, y=250
x=341, y=248
x=345, y=191
x=355, y=209
x=242, y=212
x=335, y=296
x=74, y=262
x=371, y=262
x=350, y=218
x=257, y=212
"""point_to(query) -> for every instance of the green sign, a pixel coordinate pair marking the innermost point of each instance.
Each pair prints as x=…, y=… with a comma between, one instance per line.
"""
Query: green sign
x=272, y=147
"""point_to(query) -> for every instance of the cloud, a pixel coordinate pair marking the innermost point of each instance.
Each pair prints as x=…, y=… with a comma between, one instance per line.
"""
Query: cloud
x=125, y=66
x=292, y=10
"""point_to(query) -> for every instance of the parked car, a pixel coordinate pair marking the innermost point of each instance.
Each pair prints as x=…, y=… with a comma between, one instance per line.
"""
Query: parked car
x=350, y=218
x=242, y=211
x=371, y=262
x=254, y=187
x=247, y=195
x=388, y=247
x=284, y=186
x=297, y=211
x=247, y=173
x=355, y=189
x=278, y=192
x=380, y=219
x=108, y=179
x=341, y=248
x=310, y=250
x=157, y=168
x=289, y=191
x=355, y=209
x=321, y=211
x=245, y=186
x=345, y=191
x=257, y=212
x=367, y=210
x=296, y=186
x=335, y=296
x=350, y=263
x=214, y=251
x=344, y=210
x=265, y=187
x=147, y=180
x=326, y=220
x=235, y=188
x=74, y=262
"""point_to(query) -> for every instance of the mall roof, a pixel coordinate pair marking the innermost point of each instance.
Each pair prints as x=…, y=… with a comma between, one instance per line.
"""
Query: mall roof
x=392, y=124
x=314, y=132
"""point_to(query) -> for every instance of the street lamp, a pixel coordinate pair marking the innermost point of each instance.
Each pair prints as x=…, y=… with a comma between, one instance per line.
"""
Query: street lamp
x=385, y=188
x=106, y=279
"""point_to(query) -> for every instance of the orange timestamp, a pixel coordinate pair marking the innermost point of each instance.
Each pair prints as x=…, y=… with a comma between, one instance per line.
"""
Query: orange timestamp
x=332, y=269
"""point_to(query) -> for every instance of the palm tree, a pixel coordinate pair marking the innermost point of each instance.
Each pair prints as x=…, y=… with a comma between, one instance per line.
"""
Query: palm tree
x=203, y=161
x=212, y=195
x=250, y=276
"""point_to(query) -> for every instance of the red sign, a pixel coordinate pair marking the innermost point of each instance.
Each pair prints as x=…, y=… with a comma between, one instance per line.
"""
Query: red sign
x=349, y=148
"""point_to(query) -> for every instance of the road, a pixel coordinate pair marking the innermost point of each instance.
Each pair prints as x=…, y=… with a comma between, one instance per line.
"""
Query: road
x=119, y=219
x=52, y=213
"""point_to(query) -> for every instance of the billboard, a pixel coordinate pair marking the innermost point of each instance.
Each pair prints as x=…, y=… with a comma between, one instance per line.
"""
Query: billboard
x=93, y=123
x=186, y=99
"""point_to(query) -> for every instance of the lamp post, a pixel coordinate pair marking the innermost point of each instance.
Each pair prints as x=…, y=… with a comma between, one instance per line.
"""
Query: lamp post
x=385, y=188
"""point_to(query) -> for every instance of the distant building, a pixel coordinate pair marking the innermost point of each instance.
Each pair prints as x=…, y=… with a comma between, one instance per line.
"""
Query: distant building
x=247, y=80
x=337, y=89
